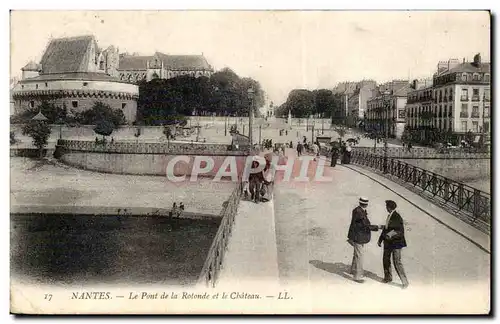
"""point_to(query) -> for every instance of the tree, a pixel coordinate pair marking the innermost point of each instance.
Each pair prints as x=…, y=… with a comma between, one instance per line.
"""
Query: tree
x=324, y=102
x=39, y=131
x=300, y=102
x=104, y=127
x=54, y=114
x=100, y=112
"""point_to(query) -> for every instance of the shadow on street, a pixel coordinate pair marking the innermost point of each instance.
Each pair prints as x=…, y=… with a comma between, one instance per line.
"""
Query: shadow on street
x=343, y=270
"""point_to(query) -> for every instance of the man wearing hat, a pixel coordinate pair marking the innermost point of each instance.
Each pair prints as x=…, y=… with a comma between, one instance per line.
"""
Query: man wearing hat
x=393, y=236
x=359, y=234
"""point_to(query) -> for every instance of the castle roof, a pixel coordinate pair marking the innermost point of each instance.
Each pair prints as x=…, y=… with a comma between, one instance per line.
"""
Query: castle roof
x=132, y=62
x=184, y=62
x=69, y=54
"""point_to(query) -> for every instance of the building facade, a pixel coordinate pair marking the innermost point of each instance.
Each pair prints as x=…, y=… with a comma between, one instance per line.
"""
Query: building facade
x=75, y=73
x=459, y=100
x=343, y=91
x=385, y=113
x=357, y=102
x=134, y=68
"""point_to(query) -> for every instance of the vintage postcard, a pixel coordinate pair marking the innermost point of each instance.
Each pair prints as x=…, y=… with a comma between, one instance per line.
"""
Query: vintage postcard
x=250, y=162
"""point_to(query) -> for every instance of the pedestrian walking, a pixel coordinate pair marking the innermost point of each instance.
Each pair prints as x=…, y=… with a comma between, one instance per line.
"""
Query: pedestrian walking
x=393, y=237
x=335, y=156
x=348, y=151
x=359, y=234
x=255, y=181
x=299, y=149
x=315, y=148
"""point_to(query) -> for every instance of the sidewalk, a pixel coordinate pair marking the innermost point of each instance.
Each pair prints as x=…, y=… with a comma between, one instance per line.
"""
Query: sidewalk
x=472, y=234
x=252, y=251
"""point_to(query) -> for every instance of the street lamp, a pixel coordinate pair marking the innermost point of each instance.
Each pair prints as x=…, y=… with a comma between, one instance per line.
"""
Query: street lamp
x=251, y=93
x=386, y=107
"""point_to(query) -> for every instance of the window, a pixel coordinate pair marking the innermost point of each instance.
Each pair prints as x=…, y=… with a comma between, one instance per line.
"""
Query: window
x=465, y=94
x=85, y=84
x=487, y=94
x=464, y=126
x=464, y=76
x=475, y=94
x=46, y=84
x=486, y=127
x=401, y=113
x=22, y=86
x=464, y=111
x=476, y=77
x=101, y=65
x=475, y=126
x=74, y=104
x=32, y=104
x=475, y=111
x=124, y=105
x=486, y=77
x=36, y=86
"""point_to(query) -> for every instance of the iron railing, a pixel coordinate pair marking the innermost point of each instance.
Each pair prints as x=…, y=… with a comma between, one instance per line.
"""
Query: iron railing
x=469, y=204
x=213, y=263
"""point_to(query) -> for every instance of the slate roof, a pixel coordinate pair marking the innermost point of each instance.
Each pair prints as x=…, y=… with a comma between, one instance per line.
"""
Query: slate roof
x=136, y=63
x=184, y=62
x=68, y=54
x=470, y=67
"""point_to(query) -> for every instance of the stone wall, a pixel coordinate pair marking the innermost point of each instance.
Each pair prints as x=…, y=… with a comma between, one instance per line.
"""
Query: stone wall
x=149, y=148
x=147, y=158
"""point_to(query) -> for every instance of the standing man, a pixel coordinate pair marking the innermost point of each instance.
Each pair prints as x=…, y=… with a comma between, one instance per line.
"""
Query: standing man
x=393, y=236
x=359, y=234
x=299, y=149
x=335, y=156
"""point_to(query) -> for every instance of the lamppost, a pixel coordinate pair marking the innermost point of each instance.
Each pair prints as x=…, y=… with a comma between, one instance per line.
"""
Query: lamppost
x=251, y=93
x=60, y=122
x=386, y=107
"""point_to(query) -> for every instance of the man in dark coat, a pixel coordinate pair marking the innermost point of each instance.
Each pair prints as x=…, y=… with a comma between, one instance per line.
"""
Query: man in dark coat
x=359, y=234
x=335, y=156
x=393, y=237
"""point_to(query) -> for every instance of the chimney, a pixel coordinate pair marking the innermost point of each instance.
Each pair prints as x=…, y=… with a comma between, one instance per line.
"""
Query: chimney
x=477, y=59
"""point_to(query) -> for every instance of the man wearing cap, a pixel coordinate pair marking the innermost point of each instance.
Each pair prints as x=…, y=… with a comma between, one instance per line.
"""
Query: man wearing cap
x=359, y=234
x=393, y=236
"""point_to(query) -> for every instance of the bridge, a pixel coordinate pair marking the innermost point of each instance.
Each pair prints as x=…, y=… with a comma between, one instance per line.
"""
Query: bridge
x=298, y=241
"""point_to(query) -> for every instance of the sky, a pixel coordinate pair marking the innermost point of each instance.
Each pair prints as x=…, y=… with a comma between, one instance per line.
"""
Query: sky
x=283, y=50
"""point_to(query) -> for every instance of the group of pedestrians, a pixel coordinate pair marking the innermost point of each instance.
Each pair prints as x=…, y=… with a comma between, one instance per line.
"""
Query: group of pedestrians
x=260, y=184
x=392, y=237
x=344, y=153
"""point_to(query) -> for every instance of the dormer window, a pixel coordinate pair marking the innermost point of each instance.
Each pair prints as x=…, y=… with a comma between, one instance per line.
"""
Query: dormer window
x=486, y=77
x=475, y=77
x=464, y=76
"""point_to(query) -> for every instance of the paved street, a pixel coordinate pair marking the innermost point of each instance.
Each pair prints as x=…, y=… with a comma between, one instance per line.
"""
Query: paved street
x=311, y=230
